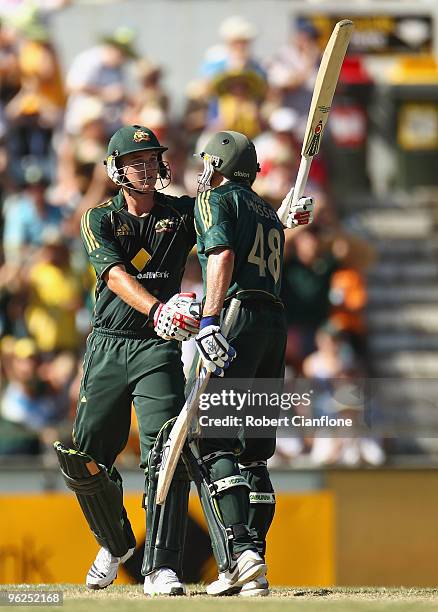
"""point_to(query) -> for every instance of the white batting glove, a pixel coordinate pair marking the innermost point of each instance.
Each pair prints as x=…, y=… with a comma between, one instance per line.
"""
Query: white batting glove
x=178, y=318
x=214, y=349
x=300, y=214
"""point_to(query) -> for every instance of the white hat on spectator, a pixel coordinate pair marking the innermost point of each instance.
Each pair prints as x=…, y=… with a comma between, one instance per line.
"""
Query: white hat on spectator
x=237, y=28
x=88, y=109
x=283, y=120
x=153, y=116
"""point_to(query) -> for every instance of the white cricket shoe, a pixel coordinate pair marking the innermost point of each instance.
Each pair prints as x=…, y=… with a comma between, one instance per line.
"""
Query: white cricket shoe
x=255, y=588
x=249, y=566
x=163, y=581
x=103, y=572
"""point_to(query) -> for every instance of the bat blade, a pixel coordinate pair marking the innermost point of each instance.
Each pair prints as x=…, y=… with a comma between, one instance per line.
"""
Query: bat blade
x=178, y=434
x=325, y=86
x=323, y=92
x=177, y=437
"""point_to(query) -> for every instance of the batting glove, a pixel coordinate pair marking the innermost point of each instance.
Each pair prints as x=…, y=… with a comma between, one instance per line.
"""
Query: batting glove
x=213, y=347
x=177, y=319
x=300, y=214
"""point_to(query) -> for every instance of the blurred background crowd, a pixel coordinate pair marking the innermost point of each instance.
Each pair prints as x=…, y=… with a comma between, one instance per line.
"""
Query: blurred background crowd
x=55, y=122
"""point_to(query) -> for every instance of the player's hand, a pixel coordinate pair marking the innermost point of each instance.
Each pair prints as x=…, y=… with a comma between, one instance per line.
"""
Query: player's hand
x=178, y=319
x=300, y=214
x=213, y=347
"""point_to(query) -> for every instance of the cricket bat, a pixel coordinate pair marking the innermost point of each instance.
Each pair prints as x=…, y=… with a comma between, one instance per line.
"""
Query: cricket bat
x=322, y=97
x=178, y=434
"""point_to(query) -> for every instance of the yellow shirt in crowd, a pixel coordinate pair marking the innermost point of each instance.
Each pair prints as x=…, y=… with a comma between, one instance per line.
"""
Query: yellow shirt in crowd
x=53, y=302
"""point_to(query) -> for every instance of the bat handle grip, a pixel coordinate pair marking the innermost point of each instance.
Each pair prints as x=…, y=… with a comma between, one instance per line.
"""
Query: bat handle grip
x=230, y=315
x=302, y=176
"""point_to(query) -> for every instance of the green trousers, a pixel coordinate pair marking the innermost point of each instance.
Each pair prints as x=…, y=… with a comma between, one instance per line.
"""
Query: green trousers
x=259, y=337
x=120, y=371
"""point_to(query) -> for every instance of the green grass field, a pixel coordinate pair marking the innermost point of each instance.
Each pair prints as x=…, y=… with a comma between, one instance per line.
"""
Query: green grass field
x=131, y=598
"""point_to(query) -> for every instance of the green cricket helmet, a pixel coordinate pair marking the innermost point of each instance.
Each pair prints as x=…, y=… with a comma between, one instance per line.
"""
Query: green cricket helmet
x=231, y=154
x=131, y=139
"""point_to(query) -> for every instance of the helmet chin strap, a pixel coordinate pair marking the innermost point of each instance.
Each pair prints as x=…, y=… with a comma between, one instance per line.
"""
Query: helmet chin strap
x=129, y=187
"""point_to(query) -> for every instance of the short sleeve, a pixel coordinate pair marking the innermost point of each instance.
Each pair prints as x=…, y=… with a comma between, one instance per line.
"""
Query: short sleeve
x=215, y=221
x=100, y=243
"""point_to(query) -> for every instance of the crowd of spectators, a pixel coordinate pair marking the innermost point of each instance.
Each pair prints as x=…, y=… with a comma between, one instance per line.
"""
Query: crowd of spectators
x=54, y=127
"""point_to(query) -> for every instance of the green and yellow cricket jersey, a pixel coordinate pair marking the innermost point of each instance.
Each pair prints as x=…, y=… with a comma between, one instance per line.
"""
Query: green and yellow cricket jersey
x=153, y=249
x=234, y=216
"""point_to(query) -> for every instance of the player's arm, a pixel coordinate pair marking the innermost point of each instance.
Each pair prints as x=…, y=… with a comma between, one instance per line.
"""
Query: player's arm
x=108, y=260
x=216, y=224
x=173, y=320
x=129, y=289
x=215, y=351
x=220, y=267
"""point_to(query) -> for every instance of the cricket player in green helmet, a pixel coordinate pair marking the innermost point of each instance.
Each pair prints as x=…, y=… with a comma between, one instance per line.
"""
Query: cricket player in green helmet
x=138, y=243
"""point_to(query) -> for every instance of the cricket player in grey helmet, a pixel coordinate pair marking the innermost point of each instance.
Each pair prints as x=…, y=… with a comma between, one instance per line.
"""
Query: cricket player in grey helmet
x=240, y=242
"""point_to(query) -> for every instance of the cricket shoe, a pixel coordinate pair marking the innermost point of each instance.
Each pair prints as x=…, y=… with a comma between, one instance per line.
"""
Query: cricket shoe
x=163, y=581
x=249, y=566
x=103, y=572
x=255, y=588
